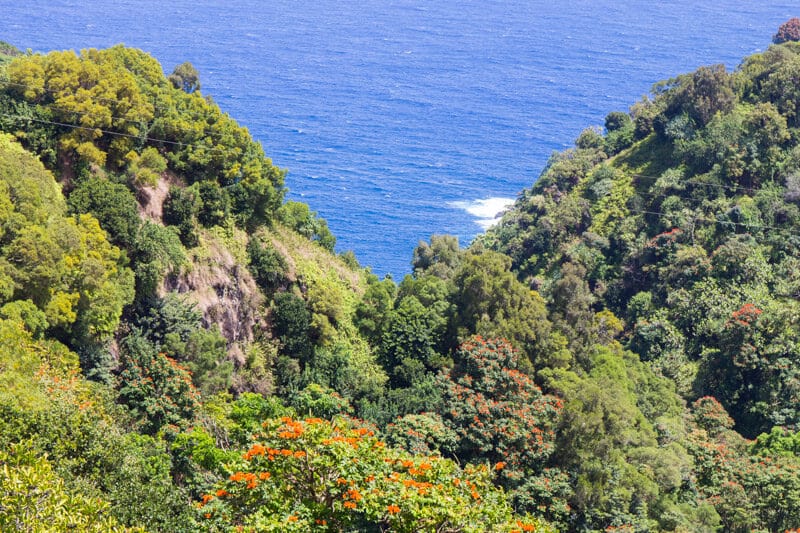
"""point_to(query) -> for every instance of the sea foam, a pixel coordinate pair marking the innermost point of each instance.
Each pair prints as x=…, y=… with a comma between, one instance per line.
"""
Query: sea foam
x=487, y=211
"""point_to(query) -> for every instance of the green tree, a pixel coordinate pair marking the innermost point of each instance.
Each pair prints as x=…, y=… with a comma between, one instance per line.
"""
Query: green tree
x=181, y=209
x=300, y=218
x=112, y=204
x=490, y=301
x=185, y=77
x=439, y=258
x=267, y=264
x=292, y=323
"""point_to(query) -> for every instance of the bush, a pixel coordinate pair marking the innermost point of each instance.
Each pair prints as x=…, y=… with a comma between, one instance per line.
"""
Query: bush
x=788, y=31
x=292, y=322
x=155, y=388
x=266, y=264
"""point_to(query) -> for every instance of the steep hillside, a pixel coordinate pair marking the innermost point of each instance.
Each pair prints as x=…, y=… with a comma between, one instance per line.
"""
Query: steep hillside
x=683, y=220
x=621, y=353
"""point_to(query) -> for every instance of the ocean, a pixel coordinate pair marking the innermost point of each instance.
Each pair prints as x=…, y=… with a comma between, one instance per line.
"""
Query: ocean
x=399, y=119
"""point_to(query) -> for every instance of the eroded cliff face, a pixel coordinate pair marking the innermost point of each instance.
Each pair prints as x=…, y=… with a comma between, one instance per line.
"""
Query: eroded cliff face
x=151, y=199
x=225, y=293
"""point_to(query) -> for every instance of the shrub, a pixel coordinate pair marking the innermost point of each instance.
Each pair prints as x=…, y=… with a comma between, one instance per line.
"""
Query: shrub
x=788, y=31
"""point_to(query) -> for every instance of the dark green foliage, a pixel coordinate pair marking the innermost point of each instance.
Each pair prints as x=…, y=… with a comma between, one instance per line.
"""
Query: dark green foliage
x=291, y=323
x=112, y=204
x=185, y=77
x=173, y=326
x=373, y=309
x=617, y=419
x=214, y=204
x=266, y=264
x=31, y=125
x=156, y=253
x=490, y=301
x=412, y=341
x=699, y=95
x=620, y=128
x=439, y=258
x=181, y=209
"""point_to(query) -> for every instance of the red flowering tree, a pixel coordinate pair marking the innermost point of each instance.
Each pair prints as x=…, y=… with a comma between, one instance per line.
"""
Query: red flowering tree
x=753, y=371
x=710, y=415
x=155, y=387
x=749, y=492
x=788, y=31
x=502, y=417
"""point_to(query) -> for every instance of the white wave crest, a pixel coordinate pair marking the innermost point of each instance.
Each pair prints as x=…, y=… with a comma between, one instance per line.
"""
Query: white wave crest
x=486, y=211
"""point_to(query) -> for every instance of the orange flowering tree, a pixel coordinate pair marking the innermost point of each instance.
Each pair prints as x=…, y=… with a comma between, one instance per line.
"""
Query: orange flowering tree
x=754, y=370
x=758, y=492
x=155, y=387
x=306, y=475
x=501, y=416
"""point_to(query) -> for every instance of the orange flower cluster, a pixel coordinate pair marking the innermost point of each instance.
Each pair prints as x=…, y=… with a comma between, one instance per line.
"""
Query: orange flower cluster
x=351, y=497
x=525, y=526
x=422, y=486
x=256, y=449
x=500, y=465
x=250, y=478
x=292, y=429
x=746, y=315
x=393, y=509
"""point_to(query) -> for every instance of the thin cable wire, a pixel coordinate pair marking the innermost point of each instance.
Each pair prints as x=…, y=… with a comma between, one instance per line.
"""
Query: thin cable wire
x=214, y=135
x=716, y=221
x=116, y=133
x=54, y=92
x=696, y=182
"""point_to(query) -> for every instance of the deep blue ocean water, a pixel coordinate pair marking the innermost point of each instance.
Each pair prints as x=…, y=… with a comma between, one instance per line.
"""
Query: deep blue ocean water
x=398, y=119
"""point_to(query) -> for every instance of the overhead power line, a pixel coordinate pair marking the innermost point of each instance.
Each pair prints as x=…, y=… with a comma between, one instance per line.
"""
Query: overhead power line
x=194, y=115
x=115, y=133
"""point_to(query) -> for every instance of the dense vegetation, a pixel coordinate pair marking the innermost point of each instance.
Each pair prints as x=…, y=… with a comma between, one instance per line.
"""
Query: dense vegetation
x=620, y=353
